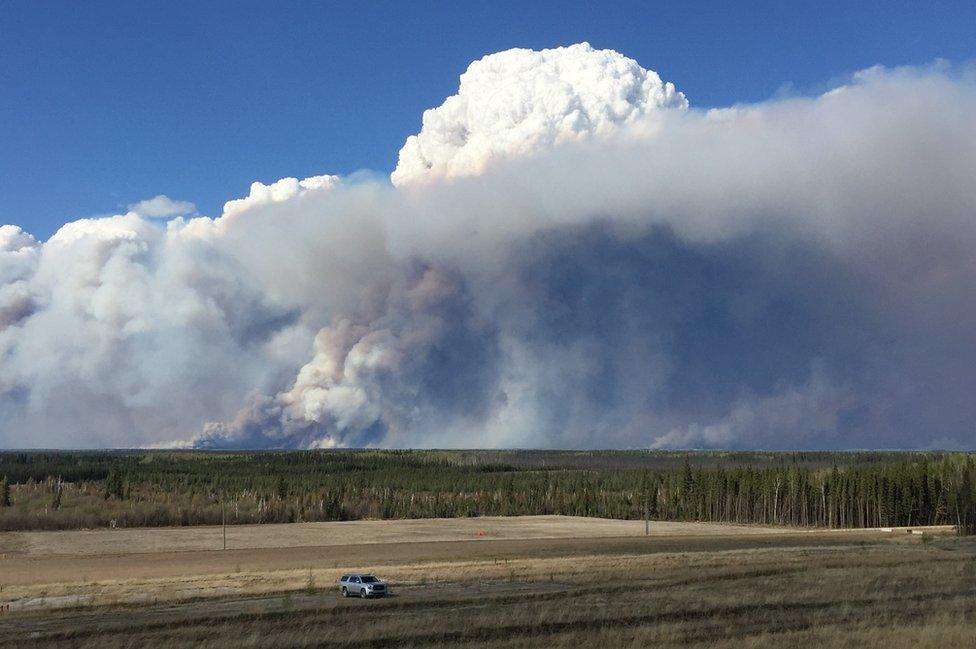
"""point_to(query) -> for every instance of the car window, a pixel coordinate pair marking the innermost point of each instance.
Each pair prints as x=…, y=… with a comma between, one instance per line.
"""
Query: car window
x=355, y=580
x=345, y=578
x=369, y=579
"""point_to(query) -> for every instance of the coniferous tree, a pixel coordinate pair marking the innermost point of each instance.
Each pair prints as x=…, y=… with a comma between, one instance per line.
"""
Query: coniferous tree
x=114, y=485
x=4, y=492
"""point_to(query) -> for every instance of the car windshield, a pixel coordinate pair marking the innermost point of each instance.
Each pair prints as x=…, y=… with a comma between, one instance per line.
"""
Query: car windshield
x=369, y=579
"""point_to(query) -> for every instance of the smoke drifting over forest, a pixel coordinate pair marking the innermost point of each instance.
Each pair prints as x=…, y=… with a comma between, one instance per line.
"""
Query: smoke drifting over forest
x=568, y=255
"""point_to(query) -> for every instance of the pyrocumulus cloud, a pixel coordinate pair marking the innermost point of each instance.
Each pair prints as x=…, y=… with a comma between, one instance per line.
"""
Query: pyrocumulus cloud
x=568, y=255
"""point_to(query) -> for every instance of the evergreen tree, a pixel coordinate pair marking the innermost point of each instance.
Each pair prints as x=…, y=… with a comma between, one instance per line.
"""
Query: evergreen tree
x=114, y=485
x=4, y=492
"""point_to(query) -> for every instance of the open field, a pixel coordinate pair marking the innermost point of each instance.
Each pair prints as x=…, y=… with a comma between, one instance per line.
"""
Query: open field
x=34, y=559
x=51, y=568
x=537, y=581
x=128, y=541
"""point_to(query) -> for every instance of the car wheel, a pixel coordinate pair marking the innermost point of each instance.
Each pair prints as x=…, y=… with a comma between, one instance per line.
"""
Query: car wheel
x=345, y=593
x=363, y=594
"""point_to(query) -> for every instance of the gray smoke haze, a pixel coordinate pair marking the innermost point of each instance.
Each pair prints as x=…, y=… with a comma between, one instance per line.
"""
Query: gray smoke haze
x=612, y=269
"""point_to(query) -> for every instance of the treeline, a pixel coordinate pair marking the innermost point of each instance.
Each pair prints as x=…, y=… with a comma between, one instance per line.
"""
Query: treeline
x=54, y=490
x=862, y=495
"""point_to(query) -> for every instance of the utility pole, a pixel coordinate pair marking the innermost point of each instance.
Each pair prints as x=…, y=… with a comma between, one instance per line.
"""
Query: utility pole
x=223, y=520
x=647, y=519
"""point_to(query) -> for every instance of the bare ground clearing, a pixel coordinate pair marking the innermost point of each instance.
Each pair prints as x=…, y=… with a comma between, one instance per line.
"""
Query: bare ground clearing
x=37, y=571
x=239, y=537
x=37, y=558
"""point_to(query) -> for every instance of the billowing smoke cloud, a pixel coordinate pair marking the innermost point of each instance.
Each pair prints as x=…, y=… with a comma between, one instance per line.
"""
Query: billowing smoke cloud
x=573, y=259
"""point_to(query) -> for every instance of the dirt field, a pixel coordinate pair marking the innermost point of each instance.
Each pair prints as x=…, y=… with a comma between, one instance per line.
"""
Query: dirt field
x=127, y=541
x=43, y=568
x=539, y=581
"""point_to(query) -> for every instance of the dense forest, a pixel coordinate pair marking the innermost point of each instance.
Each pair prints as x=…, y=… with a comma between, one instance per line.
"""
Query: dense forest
x=67, y=490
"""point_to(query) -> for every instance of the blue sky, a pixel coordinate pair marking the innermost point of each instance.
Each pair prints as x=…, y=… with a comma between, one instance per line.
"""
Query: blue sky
x=106, y=103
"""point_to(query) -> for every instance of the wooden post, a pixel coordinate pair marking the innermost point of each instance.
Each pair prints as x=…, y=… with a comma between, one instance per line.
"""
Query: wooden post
x=223, y=520
x=647, y=519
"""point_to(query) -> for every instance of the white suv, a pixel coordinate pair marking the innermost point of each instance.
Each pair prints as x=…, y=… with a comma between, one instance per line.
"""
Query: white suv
x=363, y=585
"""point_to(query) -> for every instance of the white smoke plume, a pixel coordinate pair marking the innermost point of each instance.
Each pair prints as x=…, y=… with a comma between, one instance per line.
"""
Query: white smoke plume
x=568, y=256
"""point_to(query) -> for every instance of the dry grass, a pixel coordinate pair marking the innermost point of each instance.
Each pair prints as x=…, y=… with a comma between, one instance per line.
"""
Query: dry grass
x=886, y=595
x=141, y=540
x=892, y=593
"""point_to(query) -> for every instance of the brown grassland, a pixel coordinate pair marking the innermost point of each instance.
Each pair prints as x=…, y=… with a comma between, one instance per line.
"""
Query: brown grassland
x=496, y=583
